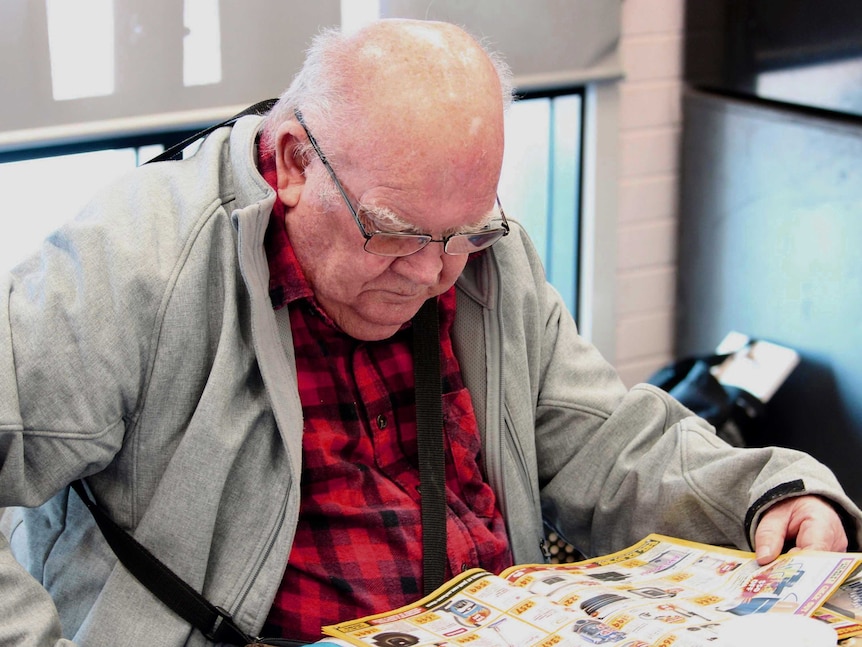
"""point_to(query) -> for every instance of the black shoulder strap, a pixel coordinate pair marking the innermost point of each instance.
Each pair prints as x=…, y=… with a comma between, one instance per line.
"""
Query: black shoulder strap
x=213, y=622
x=429, y=424
x=175, y=152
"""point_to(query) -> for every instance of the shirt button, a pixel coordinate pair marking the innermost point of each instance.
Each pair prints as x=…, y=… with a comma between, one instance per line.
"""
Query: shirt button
x=381, y=421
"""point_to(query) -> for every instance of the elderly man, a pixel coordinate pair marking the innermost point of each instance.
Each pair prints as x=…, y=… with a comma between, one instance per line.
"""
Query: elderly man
x=221, y=347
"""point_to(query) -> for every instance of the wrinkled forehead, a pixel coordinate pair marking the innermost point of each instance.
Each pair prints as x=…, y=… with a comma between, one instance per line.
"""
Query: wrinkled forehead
x=446, y=157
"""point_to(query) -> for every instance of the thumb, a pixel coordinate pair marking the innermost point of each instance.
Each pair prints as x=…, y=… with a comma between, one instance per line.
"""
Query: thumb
x=771, y=533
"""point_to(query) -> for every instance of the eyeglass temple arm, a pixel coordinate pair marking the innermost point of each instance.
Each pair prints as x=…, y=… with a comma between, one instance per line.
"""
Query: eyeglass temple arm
x=311, y=140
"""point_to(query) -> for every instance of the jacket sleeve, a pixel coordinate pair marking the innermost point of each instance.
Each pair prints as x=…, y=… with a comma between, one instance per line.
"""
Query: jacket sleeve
x=652, y=466
x=74, y=346
x=614, y=465
x=29, y=617
x=61, y=411
x=73, y=354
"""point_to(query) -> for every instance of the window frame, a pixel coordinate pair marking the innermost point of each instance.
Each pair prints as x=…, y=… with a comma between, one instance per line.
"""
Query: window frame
x=164, y=138
x=595, y=254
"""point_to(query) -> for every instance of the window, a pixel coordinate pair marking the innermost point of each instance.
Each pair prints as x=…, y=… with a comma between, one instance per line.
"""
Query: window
x=541, y=178
x=44, y=188
x=42, y=193
x=539, y=184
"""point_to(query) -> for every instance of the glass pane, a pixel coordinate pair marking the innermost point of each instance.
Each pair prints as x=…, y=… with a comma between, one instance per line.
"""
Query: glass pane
x=146, y=153
x=540, y=182
x=565, y=205
x=524, y=180
x=201, y=43
x=81, y=43
x=73, y=179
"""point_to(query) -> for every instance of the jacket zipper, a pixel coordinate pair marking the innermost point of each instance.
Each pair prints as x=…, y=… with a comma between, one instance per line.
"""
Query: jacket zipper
x=264, y=556
x=524, y=475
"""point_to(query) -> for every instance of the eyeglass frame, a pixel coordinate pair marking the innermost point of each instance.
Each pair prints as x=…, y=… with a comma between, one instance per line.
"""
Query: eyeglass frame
x=504, y=224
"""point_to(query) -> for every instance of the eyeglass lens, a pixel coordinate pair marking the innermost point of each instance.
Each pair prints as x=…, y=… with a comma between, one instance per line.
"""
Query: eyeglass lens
x=386, y=244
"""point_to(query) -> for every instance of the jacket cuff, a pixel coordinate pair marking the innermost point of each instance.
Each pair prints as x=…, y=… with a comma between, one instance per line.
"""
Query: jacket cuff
x=779, y=492
x=786, y=491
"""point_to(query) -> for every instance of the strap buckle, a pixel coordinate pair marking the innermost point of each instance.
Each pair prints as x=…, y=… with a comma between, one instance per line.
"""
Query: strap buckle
x=224, y=629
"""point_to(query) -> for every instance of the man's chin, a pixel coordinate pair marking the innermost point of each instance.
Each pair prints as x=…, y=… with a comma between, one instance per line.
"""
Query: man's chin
x=380, y=323
x=367, y=331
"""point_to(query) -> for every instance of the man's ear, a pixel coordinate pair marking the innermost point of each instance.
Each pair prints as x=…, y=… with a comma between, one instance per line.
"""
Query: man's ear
x=290, y=163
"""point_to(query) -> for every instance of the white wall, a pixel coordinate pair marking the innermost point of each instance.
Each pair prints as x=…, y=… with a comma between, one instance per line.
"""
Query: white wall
x=649, y=136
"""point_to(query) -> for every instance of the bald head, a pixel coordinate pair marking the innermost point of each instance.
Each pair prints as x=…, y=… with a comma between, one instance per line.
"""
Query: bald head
x=416, y=88
x=417, y=93
x=410, y=92
x=417, y=70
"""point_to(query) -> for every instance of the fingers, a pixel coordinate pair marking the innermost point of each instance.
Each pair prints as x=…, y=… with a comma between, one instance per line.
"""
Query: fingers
x=771, y=532
x=822, y=535
x=807, y=521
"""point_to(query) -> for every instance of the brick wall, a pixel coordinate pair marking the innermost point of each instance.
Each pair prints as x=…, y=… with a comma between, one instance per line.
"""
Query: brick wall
x=649, y=121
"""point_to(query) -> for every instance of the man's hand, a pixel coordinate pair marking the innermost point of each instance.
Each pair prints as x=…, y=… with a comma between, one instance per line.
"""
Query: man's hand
x=810, y=520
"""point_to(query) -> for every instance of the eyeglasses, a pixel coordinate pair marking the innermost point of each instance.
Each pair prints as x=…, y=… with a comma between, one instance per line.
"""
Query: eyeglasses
x=384, y=243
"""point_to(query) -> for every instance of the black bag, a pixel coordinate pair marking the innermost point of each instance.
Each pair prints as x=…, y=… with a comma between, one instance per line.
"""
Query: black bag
x=737, y=415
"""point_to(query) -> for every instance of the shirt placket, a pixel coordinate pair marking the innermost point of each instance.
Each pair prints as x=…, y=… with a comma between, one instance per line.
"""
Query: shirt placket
x=393, y=436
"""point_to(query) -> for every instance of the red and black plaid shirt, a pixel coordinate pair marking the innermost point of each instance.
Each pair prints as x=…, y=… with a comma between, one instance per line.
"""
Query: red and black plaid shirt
x=358, y=547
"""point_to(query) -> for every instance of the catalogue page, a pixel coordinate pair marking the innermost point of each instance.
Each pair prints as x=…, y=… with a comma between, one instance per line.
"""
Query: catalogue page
x=660, y=592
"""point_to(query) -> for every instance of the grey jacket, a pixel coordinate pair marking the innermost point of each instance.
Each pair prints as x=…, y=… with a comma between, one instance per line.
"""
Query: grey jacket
x=140, y=349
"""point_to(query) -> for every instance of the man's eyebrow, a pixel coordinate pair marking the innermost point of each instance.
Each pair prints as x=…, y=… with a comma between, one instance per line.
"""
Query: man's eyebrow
x=387, y=220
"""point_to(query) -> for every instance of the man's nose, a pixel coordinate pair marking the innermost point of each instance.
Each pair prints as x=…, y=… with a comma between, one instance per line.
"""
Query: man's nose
x=423, y=267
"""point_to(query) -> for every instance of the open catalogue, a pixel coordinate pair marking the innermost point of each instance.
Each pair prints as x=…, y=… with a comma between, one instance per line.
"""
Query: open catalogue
x=660, y=592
